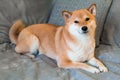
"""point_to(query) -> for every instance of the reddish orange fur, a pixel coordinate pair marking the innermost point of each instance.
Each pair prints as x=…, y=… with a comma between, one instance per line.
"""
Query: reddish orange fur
x=53, y=40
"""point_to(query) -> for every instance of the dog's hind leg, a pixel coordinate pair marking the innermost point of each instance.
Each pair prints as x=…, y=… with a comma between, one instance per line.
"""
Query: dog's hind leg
x=28, y=46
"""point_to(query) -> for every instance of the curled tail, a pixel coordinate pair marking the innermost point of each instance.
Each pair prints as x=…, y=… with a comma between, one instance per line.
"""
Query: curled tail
x=14, y=31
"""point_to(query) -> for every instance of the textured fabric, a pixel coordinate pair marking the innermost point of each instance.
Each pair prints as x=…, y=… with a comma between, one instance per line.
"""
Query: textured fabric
x=111, y=32
x=71, y=5
x=17, y=67
x=30, y=11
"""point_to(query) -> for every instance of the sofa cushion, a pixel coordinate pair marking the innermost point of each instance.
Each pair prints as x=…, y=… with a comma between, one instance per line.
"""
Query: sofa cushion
x=17, y=67
x=102, y=8
x=30, y=11
x=111, y=33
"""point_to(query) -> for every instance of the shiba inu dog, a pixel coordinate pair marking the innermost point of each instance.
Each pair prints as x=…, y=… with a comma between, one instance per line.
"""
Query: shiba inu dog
x=70, y=45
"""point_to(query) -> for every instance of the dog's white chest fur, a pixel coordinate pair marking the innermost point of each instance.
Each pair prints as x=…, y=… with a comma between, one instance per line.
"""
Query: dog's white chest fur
x=82, y=51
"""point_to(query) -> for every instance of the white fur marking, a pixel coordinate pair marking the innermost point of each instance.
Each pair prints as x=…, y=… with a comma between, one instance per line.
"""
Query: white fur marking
x=85, y=46
x=81, y=52
x=34, y=45
x=74, y=28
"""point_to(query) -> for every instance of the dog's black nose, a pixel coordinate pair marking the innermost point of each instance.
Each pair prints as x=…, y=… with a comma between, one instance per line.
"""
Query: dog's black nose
x=84, y=28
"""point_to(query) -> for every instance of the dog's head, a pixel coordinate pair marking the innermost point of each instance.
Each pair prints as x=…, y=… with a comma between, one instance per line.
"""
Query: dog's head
x=81, y=21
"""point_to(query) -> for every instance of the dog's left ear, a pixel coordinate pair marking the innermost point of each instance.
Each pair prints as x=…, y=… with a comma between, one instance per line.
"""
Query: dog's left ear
x=92, y=9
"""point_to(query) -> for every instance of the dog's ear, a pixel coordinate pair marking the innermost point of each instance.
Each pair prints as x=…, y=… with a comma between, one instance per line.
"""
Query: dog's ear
x=92, y=9
x=66, y=15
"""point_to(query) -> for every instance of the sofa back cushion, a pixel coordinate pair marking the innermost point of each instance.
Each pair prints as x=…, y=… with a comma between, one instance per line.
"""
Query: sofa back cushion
x=111, y=32
x=30, y=11
x=71, y=5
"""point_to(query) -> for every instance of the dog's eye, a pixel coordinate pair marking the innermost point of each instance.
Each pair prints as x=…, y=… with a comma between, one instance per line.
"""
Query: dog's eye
x=87, y=19
x=76, y=21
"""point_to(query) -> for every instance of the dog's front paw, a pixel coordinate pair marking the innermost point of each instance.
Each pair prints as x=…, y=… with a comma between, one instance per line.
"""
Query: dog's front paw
x=103, y=69
x=94, y=70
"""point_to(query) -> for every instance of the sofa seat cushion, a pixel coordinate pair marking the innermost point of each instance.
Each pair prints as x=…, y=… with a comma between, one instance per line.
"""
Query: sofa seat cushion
x=18, y=67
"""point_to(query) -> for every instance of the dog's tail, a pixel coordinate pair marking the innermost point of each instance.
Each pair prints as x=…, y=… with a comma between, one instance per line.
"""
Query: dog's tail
x=14, y=31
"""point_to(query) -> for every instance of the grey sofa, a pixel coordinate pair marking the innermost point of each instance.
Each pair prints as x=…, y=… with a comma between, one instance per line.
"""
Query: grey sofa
x=18, y=67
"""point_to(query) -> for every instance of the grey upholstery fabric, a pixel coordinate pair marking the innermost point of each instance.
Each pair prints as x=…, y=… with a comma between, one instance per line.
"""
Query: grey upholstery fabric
x=111, y=32
x=17, y=67
x=30, y=11
x=70, y=5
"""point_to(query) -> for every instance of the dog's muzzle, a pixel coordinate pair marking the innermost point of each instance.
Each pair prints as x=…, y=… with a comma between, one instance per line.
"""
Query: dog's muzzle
x=84, y=29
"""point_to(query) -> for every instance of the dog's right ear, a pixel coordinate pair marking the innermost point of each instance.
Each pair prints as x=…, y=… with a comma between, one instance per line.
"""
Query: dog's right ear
x=66, y=15
x=92, y=9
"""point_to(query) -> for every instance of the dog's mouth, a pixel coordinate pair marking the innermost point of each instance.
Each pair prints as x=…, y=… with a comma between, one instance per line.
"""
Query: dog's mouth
x=83, y=32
